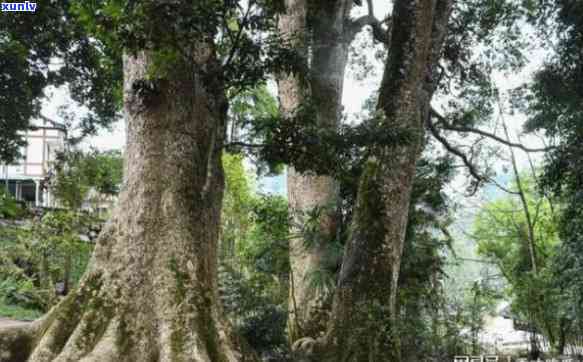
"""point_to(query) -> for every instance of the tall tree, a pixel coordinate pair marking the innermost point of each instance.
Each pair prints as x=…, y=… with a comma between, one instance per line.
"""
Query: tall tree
x=150, y=292
x=173, y=131
x=362, y=326
x=554, y=103
x=325, y=30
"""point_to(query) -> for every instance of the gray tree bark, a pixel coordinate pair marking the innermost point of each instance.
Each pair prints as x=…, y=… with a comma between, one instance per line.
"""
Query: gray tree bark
x=328, y=39
x=149, y=293
x=363, y=323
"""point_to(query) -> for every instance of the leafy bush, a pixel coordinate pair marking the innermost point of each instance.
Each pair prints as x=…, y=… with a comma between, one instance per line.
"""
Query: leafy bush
x=43, y=259
x=254, y=262
x=9, y=207
x=17, y=284
x=266, y=331
x=255, y=313
x=20, y=290
x=77, y=172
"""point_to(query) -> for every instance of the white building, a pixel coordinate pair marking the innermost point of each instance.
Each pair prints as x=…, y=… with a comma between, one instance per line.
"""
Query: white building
x=24, y=179
x=503, y=335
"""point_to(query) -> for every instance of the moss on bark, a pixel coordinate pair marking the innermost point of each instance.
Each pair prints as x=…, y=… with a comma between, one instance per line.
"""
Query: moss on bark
x=16, y=343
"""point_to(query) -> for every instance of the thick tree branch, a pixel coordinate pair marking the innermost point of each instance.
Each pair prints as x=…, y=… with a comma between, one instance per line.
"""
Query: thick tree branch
x=370, y=7
x=381, y=35
x=444, y=124
x=455, y=151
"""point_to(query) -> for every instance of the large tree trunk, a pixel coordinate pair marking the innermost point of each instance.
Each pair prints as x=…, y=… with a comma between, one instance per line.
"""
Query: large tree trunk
x=363, y=326
x=328, y=39
x=149, y=293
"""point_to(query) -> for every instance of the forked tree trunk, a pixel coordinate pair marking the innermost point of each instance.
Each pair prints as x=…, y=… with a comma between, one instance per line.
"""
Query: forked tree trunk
x=149, y=293
x=328, y=38
x=363, y=324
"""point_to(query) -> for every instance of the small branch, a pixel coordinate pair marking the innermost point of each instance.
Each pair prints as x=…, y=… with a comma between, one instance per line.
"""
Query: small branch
x=442, y=74
x=242, y=28
x=473, y=170
x=52, y=122
x=244, y=145
x=444, y=124
x=484, y=261
x=523, y=200
x=537, y=211
x=536, y=180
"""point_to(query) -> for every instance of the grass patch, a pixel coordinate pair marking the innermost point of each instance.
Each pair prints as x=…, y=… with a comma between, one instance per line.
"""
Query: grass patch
x=19, y=313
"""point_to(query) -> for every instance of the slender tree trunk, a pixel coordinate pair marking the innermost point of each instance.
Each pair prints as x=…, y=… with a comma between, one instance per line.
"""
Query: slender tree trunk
x=530, y=235
x=563, y=331
x=67, y=272
x=329, y=40
x=149, y=293
x=46, y=279
x=363, y=326
x=291, y=93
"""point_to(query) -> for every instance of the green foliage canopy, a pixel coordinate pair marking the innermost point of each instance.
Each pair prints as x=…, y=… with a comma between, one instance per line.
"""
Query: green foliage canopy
x=52, y=48
x=34, y=258
x=554, y=103
x=501, y=232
